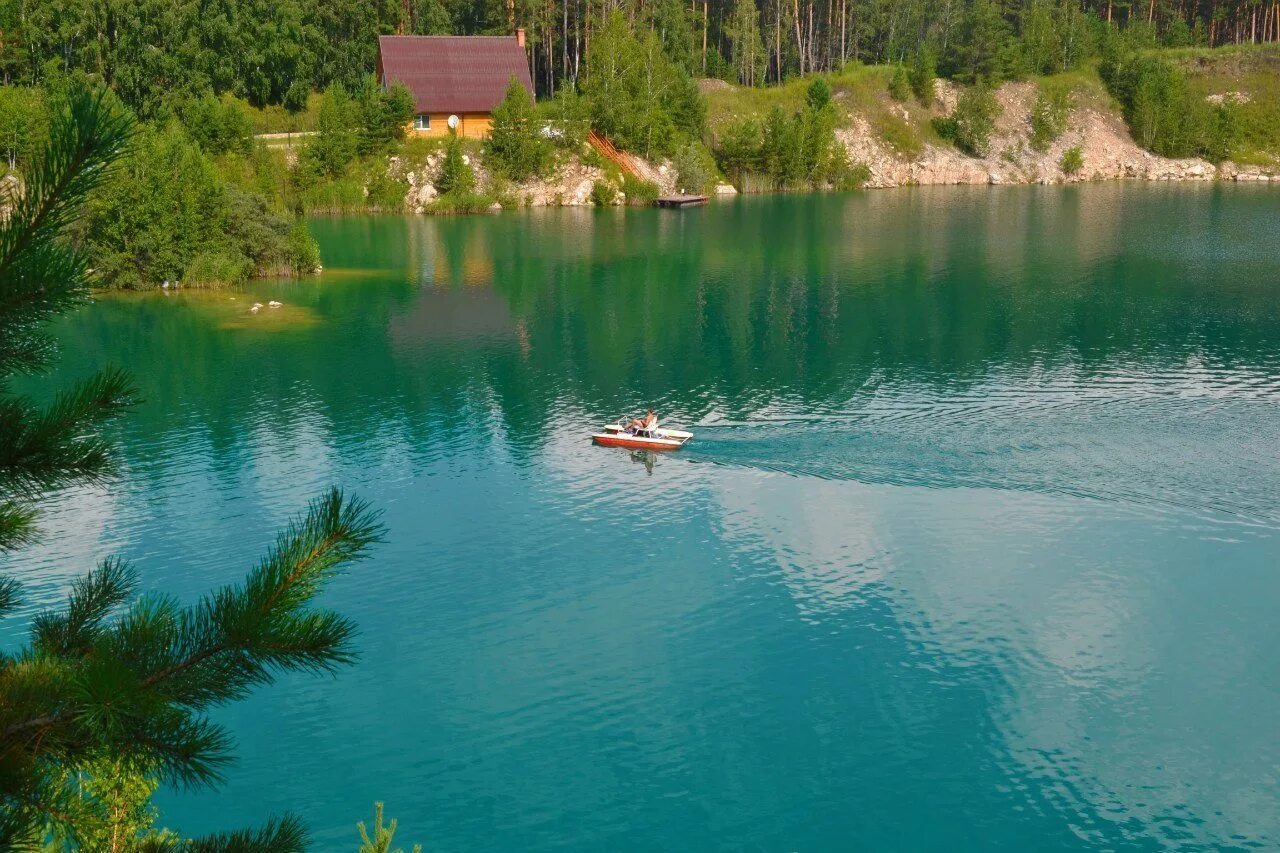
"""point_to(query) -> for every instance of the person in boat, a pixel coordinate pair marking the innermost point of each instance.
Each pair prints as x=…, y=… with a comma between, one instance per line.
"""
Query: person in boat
x=649, y=421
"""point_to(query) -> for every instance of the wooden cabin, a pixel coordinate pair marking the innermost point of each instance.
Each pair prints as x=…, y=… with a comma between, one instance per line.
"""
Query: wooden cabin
x=454, y=77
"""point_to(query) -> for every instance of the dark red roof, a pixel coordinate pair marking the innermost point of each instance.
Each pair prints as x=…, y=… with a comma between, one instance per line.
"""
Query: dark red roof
x=453, y=74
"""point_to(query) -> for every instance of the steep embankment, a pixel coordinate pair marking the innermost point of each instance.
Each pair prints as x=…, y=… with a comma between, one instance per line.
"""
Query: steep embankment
x=1107, y=151
x=899, y=146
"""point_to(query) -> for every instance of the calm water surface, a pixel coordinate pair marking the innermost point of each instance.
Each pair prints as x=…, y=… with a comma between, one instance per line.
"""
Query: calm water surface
x=976, y=547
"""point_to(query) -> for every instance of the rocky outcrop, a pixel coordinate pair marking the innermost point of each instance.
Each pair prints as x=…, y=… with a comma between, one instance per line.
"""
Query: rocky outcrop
x=1107, y=151
x=10, y=189
x=569, y=184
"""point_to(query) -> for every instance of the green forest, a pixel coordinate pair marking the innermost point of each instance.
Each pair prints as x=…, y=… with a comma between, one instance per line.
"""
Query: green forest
x=203, y=79
x=155, y=52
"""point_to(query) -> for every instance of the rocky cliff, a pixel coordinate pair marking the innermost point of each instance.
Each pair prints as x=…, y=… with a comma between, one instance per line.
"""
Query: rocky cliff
x=1107, y=150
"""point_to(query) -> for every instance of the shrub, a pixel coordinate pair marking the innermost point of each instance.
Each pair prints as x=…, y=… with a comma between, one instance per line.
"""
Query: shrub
x=383, y=192
x=738, y=150
x=516, y=148
x=382, y=115
x=969, y=126
x=143, y=227
x=899, y=84
x=818, y=94
x=1072, y=160
x=1049, y=116
x=639, y=192
x=898, y=133
x=796, y=151
x=24, y=122
x=455, y=174
x=336, y=141
x=303, y=248
x=218, y=125
x=923, y=71
x=694, y=168
x=638, y=97
x=568, y=115
x=1163, y=114
x=217, y=266
x=845, y=174
x=604, y=193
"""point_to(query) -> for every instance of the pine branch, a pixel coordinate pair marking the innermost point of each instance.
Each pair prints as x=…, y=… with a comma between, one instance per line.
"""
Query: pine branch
x=285, y=835
x=237, y=636
x=39, y=274
x=10, y=592
x=44, y=450
x=17, y=525
x=134, y=688
x=92, y=598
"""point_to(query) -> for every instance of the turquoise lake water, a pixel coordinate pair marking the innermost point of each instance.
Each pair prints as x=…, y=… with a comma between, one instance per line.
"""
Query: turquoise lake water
x=976, y=546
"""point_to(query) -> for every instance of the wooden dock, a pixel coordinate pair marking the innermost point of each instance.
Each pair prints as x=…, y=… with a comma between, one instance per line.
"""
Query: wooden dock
x=678, y=201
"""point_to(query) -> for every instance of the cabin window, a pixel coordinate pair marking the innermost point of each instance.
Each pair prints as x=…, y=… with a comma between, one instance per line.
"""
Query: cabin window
x=422, y=121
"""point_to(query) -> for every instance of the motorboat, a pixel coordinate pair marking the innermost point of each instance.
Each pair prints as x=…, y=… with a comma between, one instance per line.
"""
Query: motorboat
x=654, y=438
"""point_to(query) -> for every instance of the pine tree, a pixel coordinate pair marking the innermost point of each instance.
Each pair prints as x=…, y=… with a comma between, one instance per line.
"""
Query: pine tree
x=455, y=174
x=112, y=692
x=516, y=147
x=747, y=54
x=380, y=841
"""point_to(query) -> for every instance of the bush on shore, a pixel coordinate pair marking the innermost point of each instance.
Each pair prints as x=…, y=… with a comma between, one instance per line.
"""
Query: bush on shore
x=970, y=125
x=1164, y=115
x=1072, y=160
x=639, y=193
x=516, y=147
x=167, y=215
x=1049, y=116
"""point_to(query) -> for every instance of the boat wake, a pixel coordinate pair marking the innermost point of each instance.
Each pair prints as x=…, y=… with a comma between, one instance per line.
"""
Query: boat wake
x=1173, y=462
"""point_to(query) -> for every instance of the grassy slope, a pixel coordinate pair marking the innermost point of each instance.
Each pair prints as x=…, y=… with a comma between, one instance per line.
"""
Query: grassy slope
x=1252, y=70
x=861, y=89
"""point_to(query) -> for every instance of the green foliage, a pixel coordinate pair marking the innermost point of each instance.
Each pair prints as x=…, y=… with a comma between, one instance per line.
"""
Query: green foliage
x=1163, y=113
x=455, y=174
x=899, y=84
x=108, y=808
x=695, y=170
x=431, y=18
x=790, y=151
x=296, y=97
x=218, y=125
x=924, y=68
x=1049, y=116
x=266, y=53
x=747, y=52
x=381, y=115
x=1072, y=160
x=42, y=275
x=845, y=174
x=460, y=203
x=167, y=215
x=738, y=151
x=638, y=97
x=604, y=193
x=986, y=48
x=970, y=125
x=638, y=192
x=380, y=841
x=818, y=95
x=516, y=147
x=336, y=141
x=898, y=133
x=568, y=115
x=111, y=694
x=24, y=121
